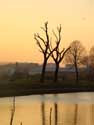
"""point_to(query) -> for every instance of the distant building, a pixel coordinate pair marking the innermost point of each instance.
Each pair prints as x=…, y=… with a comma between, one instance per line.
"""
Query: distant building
x=50, y=67
x=69, y=68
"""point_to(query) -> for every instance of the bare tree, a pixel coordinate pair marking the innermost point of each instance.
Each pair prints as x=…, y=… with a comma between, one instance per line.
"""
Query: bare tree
x=12, y=112
x=75, y=56
x=44, y=48
x=57, y=54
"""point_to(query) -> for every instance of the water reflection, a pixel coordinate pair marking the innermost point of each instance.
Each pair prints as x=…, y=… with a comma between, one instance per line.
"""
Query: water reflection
x=43, y=111
x=50, y=117
x=75, y=114
x=47, y=110
x=56, y=111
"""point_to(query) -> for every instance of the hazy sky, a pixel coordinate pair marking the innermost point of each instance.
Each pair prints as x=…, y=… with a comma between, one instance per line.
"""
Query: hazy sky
x=20, y=19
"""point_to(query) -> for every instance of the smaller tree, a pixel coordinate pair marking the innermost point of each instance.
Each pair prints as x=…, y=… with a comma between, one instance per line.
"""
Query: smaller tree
x=58, y=54
x=91, y=63
x=91, y=57
x=75, y=56
x=44, y=48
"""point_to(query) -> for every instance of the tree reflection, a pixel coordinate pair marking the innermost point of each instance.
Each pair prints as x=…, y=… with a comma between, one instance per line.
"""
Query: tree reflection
x=75, y=114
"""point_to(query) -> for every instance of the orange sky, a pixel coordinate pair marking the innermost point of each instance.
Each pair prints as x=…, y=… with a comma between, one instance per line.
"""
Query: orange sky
x=20, y=19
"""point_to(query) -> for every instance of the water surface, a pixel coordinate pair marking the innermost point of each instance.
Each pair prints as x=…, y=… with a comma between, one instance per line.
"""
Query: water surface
x=60, y=109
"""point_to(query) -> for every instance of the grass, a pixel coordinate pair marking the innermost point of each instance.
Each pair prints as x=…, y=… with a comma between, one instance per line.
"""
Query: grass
x=32, y=85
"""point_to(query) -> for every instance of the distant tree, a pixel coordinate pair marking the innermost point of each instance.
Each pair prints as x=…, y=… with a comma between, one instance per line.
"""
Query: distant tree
x=58, y=54
x=85, y=60
x=91, y=64
x=85, y=63
x=91, y=57
x=75, y=56
x=44, y=48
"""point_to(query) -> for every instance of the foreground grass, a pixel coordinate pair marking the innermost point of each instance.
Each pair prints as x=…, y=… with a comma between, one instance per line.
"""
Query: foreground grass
x=33, y=86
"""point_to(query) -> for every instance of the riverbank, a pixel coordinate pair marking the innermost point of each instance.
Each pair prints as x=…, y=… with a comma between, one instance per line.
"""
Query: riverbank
x=28, y=87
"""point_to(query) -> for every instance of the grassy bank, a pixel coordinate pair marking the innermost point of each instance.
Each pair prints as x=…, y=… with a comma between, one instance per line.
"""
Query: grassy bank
x=29, y=87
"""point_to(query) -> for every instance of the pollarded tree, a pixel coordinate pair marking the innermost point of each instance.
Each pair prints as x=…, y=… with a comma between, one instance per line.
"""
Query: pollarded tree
x=58, y=55
x=75, y=56
x=44, y=48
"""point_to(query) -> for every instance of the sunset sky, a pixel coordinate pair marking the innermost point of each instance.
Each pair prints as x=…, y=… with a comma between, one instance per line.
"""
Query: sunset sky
x=20, y=19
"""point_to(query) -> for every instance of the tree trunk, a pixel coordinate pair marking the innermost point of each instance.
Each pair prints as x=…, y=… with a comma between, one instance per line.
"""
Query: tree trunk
x=43, y=71
x=56, y=73
x=76, y=72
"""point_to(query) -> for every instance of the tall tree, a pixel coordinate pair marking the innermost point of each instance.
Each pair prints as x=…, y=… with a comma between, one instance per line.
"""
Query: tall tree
x=44, y=48
x=58, y=54
x=75, y=56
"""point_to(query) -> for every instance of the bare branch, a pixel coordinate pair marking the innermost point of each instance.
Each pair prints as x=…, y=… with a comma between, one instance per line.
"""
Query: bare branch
x=38, y=43
x=51, y=53
x=59, y=33
x=38, y=36
x=55, y=35
x=64, y=54
x=62, y=51
x=43, y=29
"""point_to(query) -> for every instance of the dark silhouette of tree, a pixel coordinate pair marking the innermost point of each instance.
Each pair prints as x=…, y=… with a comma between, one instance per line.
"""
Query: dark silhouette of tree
x=75, y=56
x=57, y=54
x=44, y=48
